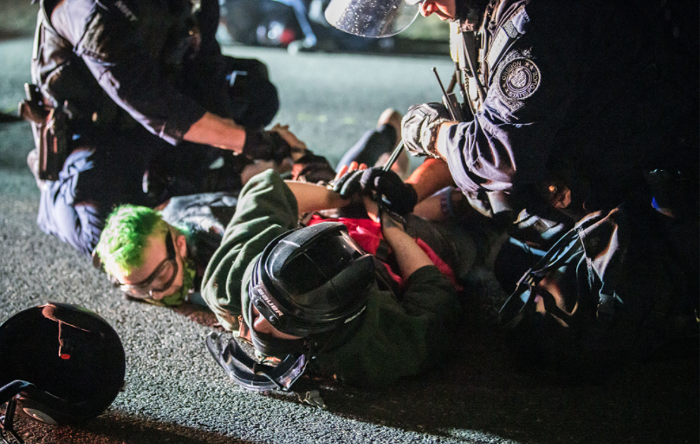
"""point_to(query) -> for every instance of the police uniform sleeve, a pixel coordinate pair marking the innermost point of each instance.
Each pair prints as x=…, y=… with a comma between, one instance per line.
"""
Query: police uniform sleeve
x=397, y=339
x=531, y=90
x=106, y=38
x=266, y=208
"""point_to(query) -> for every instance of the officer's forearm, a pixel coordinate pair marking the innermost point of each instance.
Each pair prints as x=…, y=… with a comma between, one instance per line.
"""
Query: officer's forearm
x=441, y=141
x=432, y=176
x=217, y=131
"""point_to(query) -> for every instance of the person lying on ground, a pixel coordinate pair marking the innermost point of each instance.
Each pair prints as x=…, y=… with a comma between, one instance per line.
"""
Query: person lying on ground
x=141, y=258
x=312, y=298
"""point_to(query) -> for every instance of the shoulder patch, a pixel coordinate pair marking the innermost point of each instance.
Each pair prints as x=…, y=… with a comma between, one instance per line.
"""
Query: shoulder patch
x=517, y=78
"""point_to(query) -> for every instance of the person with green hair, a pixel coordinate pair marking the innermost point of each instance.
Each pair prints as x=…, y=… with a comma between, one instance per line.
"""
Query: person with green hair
x=160, y=256
x=150, y=259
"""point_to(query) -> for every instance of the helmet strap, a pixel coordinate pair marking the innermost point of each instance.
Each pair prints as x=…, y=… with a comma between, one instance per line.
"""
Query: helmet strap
x=250, y=374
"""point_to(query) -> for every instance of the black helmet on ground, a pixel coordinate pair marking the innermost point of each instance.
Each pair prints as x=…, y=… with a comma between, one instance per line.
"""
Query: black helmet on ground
x=60, y=363
x=306, y=283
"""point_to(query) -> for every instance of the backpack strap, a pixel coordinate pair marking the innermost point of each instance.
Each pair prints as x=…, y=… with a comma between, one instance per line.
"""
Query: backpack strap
x=522, y=300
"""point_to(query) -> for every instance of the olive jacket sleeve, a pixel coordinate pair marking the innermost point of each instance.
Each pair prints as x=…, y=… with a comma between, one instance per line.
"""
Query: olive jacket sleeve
x=266, y=208
x=393, y=338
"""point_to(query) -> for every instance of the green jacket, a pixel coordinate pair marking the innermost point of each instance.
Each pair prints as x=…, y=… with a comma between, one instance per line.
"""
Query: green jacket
x=392, y=338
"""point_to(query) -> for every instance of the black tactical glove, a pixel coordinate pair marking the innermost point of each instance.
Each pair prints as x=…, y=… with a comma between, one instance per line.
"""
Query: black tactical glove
x=265, y=145
x=420, y=127
x=349, y=185
x=398, y=196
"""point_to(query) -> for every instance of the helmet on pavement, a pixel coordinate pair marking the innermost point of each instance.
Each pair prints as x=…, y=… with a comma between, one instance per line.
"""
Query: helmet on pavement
x=60, y=363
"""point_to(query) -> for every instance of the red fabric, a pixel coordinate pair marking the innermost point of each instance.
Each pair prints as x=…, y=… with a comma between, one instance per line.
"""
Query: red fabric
x=368, y=234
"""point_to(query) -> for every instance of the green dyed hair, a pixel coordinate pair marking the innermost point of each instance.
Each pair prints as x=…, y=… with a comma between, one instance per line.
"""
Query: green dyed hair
x=126, y=234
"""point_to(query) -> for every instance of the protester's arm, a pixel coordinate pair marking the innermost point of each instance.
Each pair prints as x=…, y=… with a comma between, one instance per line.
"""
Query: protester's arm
x=431, y=176
x=311, y=197
x=407, y=252
x=409, y=255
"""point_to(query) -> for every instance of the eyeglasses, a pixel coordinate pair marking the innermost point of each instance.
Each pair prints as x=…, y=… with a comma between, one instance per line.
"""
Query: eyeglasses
x=165, y=272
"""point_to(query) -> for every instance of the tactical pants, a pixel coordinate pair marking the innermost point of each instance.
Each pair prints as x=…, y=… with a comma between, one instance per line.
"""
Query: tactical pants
x=102, y=173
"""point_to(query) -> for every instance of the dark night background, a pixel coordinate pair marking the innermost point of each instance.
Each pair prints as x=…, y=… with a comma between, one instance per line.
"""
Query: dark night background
x=174, y=392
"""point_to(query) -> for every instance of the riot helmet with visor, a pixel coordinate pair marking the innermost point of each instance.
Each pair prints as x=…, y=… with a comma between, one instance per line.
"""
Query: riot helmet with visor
x=372, y=18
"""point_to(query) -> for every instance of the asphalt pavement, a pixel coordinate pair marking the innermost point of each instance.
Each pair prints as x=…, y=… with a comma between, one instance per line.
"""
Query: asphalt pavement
x=175, y=393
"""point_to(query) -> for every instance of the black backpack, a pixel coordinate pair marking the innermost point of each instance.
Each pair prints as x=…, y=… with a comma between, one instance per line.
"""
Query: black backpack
x=610, y=290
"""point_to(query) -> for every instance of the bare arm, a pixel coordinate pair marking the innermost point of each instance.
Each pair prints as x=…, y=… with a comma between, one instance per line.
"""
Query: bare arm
x=409, y=255
x=311, y=197
x=217, y=131
x=432, y=176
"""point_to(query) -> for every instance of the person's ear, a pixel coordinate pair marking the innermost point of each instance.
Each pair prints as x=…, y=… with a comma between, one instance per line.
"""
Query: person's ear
x=181, y=244
x=115, y=275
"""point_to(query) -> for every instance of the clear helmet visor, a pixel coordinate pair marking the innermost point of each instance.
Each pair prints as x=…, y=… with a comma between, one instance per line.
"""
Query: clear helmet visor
x=372, y=18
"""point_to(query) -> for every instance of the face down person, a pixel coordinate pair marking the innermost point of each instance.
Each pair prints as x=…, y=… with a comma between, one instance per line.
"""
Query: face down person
x=149, y=259
x=312, y=298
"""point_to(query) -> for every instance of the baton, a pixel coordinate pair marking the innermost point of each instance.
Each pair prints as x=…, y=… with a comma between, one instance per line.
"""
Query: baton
x=395, y=155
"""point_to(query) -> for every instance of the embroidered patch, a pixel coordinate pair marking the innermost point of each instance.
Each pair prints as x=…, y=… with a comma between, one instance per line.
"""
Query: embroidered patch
x=519, y=79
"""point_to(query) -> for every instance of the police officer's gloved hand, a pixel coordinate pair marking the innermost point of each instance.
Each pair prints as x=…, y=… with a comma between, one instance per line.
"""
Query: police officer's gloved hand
x=399, y=197
x=420, y=127
x=266, y=145
x=349, y=185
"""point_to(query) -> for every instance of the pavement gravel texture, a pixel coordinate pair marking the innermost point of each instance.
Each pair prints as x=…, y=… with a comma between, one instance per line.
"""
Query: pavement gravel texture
x=174, y=393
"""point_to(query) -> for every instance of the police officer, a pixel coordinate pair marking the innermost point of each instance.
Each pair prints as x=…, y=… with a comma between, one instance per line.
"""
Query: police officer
x=566, y=104
x=140, y=103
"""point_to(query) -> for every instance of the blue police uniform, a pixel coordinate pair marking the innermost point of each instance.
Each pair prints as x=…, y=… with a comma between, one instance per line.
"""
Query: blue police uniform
x=584, y=93
x=133, y=77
